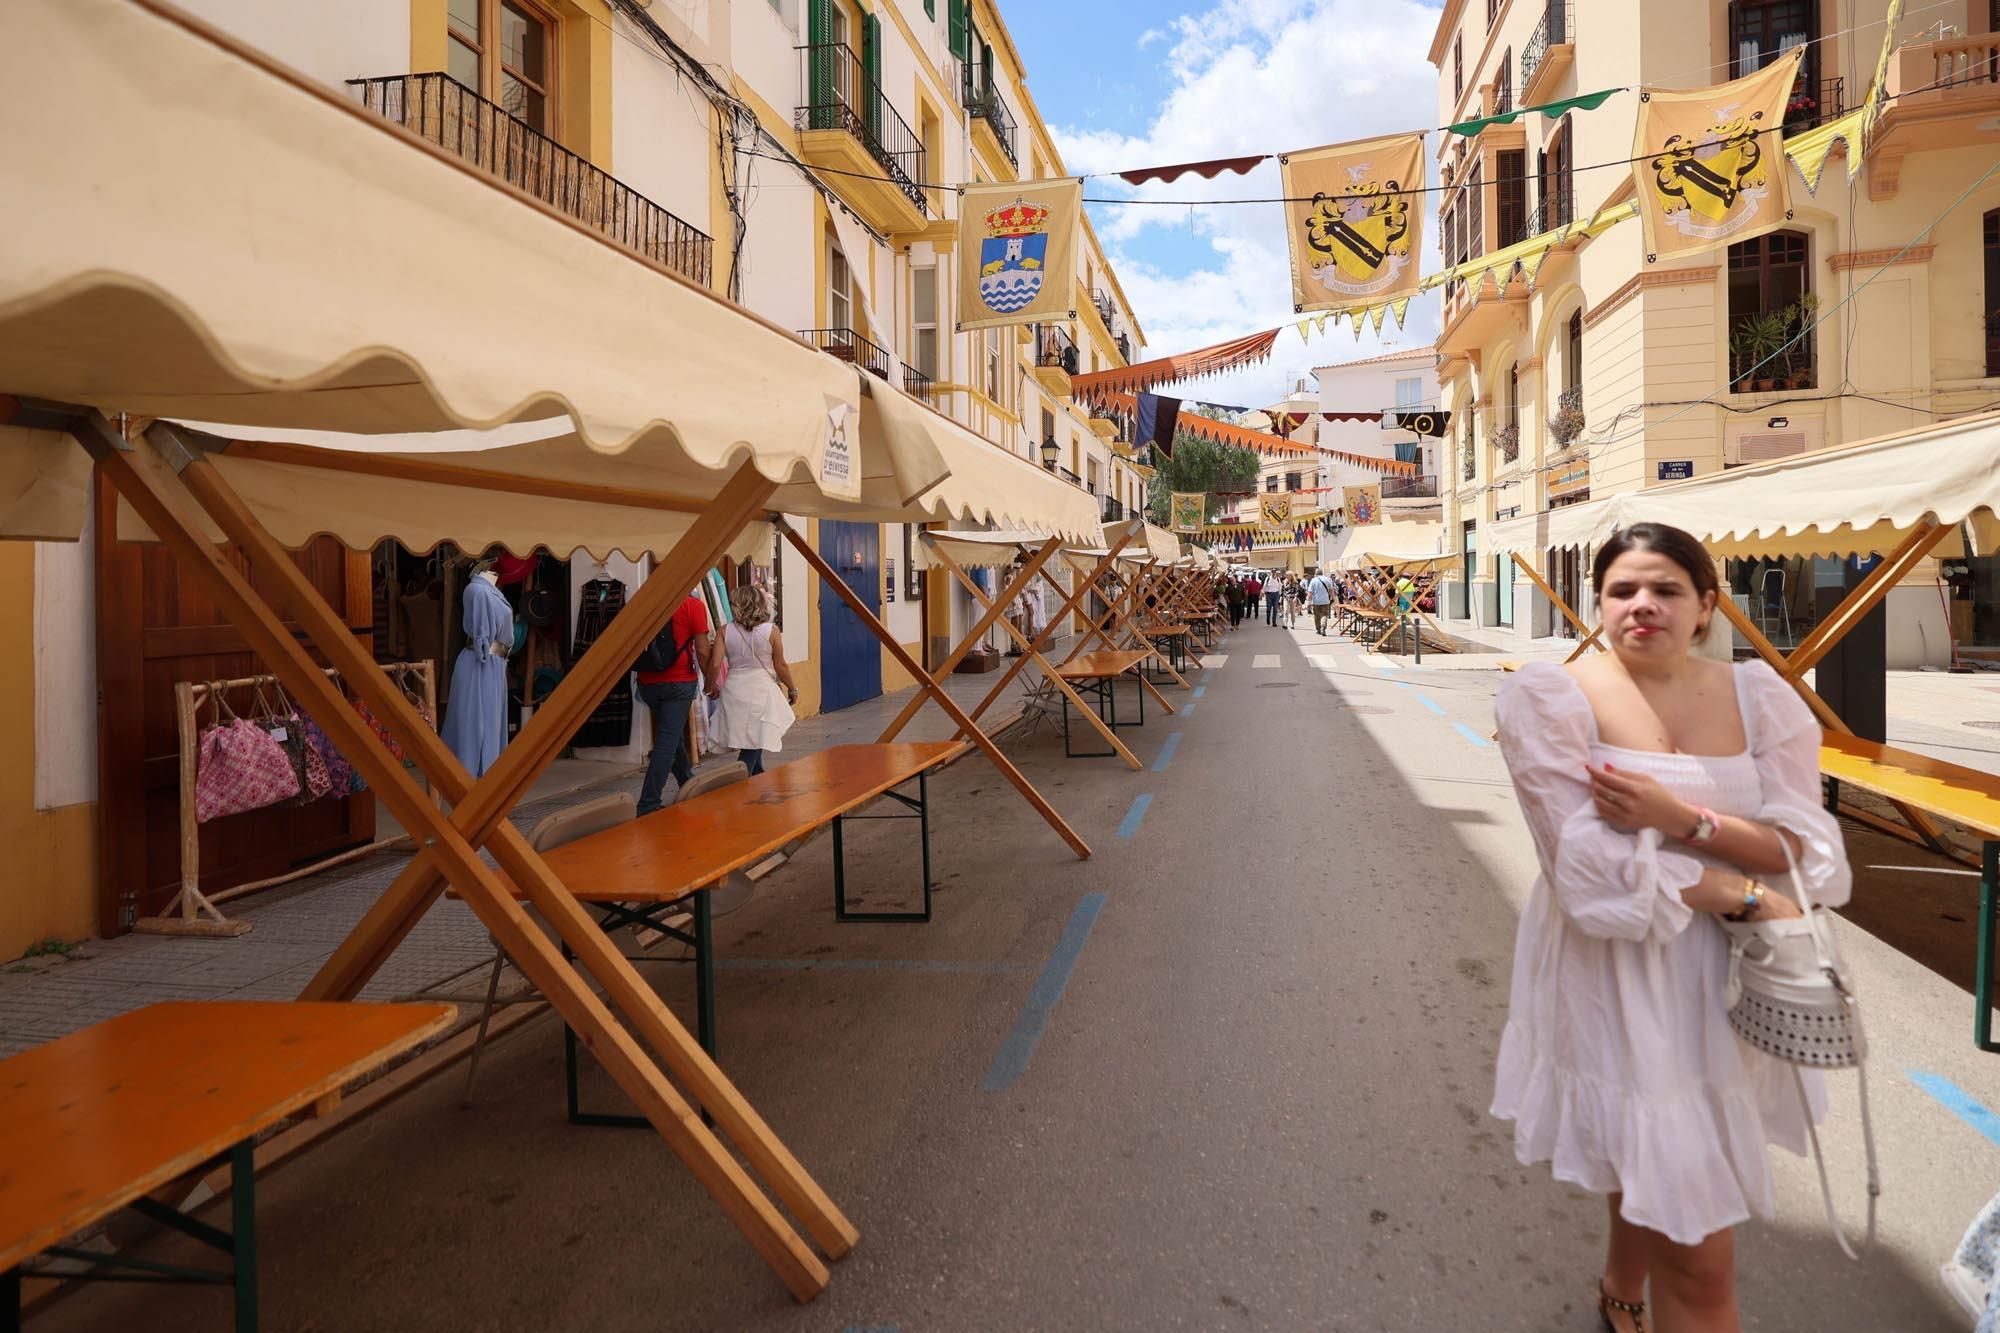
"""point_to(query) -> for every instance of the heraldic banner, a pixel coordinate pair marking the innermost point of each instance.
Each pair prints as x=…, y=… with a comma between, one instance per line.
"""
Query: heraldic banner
x=1355, y=234
x=1275, y=510
x=1364, y=505
x=1187, y=509
x=1709, y=164
x=1017, y=252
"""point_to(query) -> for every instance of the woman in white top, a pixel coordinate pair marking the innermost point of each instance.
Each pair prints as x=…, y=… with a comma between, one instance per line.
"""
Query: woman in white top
x=1657, y=785
x=753, y=708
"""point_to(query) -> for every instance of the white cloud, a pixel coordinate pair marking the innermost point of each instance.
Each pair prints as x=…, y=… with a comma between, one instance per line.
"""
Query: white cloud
x=1150, y=36
x=1247, y=77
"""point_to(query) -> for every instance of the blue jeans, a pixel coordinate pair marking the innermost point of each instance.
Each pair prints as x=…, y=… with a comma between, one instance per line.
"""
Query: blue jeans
x=1270, y=608
x=670, y=703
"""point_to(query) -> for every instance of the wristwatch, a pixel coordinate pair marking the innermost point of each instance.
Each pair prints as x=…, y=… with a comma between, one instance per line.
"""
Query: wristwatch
x=1705, y=826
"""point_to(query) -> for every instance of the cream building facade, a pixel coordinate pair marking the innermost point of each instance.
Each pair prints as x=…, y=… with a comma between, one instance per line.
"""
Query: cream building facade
x=792, y=154
x=1649, y=354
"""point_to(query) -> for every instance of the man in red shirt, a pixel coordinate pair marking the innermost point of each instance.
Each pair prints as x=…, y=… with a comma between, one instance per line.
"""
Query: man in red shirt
x=670, y=694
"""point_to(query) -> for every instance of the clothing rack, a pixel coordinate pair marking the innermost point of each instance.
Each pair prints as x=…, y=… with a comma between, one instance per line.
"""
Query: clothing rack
x=193, y=912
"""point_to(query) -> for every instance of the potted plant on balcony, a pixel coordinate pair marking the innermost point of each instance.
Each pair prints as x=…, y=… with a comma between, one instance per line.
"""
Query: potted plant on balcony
x=1507, y=439
x=1567, y=423
x=1754, y=342
x=1798, y=318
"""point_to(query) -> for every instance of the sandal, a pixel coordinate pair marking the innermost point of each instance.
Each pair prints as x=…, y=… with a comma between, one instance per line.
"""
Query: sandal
x=1606, y=1303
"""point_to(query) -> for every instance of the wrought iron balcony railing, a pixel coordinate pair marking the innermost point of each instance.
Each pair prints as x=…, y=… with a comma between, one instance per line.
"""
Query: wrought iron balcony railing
x=1101, y=302
x=1409, y=488
x=1556, y=26
x=1054, y=348
x=463, y=123
x=1125, y=348
x=841, y=95
x=1113, y=511
x=852, y=348
x=1812, y=106
x=919, y=386
x=983, y=102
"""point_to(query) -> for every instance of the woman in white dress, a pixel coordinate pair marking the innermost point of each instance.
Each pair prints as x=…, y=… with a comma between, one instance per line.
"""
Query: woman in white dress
x=1657, y=786
x=753, y=708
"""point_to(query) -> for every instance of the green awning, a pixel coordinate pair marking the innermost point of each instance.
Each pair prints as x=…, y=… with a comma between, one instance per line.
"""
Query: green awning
x=1587, y=102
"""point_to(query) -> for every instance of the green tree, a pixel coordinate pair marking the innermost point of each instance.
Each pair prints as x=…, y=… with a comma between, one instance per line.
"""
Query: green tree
x=1200, y=465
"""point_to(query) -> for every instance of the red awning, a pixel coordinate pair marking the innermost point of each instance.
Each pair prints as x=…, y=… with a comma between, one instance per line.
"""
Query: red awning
x=1206, y=170
x=1172, y=369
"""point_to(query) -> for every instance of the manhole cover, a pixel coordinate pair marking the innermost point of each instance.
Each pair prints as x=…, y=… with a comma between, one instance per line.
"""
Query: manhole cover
x=1988, y=725
x=1362, y=708
x=1279, y=685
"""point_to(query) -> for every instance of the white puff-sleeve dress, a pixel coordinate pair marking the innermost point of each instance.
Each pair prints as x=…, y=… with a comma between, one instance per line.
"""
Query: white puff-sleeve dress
x=1618, y=1066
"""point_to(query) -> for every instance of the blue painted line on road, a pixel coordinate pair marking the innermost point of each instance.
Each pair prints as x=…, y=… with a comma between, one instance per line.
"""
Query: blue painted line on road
x=1200, y=690
x=1187, y=710
x=868, y=965
x=1167, y=753
x=1130, y=824
x=1012, y=1059
x=1431, y=704
x=1960, y=1103
x=1470, y=734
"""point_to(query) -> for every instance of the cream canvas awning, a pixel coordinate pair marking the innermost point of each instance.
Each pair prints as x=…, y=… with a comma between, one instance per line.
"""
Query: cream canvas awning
x=211, y=238
x=1393, y=544
x=1859, y=500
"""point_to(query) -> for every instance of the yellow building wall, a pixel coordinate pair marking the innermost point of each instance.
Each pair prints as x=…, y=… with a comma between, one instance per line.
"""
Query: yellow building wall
x=50, y=885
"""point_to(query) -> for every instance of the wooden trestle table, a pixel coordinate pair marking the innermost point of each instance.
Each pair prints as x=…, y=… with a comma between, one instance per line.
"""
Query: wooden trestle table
x=1098, y=673
x=95, y=1121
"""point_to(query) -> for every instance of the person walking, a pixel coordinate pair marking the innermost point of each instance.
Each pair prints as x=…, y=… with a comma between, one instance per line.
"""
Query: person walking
x=1273, y=591
x=1236, y=597
x=1294, y=595
x=667, y=686
x=1319, y=592
x=1253, y=588
x=1663, y=791
x=755, y=693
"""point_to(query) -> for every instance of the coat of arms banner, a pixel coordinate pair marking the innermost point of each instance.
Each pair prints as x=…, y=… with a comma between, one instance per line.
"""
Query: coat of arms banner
x=1354, y=220
x=1364, y=505
x=1017, y=252
x=1187, y=509
x=1275, y=511
x=1709, y=165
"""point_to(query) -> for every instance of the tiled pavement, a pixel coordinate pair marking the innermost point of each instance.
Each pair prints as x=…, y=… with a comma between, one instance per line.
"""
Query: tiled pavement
x=298, y=926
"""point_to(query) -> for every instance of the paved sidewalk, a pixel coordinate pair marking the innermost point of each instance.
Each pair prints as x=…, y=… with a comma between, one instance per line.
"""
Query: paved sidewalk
x=297, y=927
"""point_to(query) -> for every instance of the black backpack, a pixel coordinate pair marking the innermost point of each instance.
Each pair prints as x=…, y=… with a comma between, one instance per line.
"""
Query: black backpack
x=663, y=652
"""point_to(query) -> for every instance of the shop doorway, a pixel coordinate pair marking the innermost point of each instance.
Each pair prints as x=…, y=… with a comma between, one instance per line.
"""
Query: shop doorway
x=850, y=656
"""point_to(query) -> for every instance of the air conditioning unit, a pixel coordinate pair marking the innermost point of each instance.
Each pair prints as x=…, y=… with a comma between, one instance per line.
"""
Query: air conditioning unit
x=1757, y=442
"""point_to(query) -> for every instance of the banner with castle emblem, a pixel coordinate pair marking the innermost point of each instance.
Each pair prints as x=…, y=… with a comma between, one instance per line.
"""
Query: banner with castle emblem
x=1017, y=252
x=1354, y=222
x=1709, y=164
x=1187, y=509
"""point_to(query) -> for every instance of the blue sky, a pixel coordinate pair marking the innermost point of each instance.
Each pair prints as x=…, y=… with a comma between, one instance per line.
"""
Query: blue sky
x=1130, y=83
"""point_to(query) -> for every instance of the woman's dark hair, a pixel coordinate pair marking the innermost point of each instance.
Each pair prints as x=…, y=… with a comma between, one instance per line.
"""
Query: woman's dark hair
x=1673, y=543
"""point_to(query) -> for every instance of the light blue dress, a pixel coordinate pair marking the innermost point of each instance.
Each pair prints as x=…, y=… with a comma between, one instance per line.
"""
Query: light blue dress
x=475, y=720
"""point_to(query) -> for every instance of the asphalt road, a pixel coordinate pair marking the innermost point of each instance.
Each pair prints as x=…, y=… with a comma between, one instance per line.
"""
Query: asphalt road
x=1230, y=1073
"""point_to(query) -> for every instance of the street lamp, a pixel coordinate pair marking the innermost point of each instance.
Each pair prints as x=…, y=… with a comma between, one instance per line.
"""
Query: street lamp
x=1050, y=450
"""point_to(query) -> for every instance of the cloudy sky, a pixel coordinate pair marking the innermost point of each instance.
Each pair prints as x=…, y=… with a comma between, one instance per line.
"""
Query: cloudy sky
x=1134, y=83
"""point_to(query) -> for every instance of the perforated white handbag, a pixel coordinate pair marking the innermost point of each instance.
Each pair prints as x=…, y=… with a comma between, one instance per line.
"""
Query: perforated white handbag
x=1790, y=995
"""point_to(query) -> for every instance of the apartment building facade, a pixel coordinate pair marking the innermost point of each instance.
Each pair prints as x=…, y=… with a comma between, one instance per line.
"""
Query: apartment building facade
x=795, y=155
x=1613, y=373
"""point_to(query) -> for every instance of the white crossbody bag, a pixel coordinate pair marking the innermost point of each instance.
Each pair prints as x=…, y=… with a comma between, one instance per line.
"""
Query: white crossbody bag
x=1790, y=995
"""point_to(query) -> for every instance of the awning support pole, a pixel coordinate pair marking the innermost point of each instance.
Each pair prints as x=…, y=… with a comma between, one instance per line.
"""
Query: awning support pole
x=139, y=471
x=1028, y=650
x=1114, y=618
x=1542, y=586
x=928, y=684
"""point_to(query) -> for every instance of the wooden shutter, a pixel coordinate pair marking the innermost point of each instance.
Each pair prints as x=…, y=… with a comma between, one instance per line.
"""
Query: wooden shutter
x=1511, y=194
x=959, y=20
x=820, y=56
x=871, y=76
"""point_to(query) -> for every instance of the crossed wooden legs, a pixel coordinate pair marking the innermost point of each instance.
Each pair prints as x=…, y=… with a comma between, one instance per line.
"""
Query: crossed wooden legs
x=144, y=474
x=928, y=686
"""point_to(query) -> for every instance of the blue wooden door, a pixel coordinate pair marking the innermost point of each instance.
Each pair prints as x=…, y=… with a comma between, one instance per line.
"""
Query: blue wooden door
x=850, y=656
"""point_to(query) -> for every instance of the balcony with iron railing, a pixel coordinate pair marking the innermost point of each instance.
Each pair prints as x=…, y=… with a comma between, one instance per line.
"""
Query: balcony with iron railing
x=1115, y=512
x=849, y=346
x=1056, y=358
x=1106, y=308
x=1125, y=348
x=455, y=118
x=986, y=107
x=1550, y=50
x=848, y=126
x=1409, y=488
x=920, y=386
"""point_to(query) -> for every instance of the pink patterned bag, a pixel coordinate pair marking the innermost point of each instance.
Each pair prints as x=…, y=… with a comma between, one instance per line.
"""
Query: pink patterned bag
x=240, y=767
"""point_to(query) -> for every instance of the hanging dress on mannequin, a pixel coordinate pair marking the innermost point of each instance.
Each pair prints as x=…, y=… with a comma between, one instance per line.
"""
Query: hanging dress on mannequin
x=475, y=723
x=610, y=723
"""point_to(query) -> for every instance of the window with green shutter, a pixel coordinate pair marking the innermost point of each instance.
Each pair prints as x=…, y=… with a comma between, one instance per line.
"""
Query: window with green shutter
x=820, y=57
x=960, y=17
x=871, y=76
x=930, y=9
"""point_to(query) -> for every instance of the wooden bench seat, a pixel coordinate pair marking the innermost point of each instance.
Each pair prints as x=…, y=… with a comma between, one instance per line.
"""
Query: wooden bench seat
x=95, y=1121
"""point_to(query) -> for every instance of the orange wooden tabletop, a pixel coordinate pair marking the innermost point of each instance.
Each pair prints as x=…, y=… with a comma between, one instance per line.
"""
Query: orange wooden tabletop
x=91, y=1121
x=1105, y=662
x=1963, y=795
x=681, y=848
x=1163, y=631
